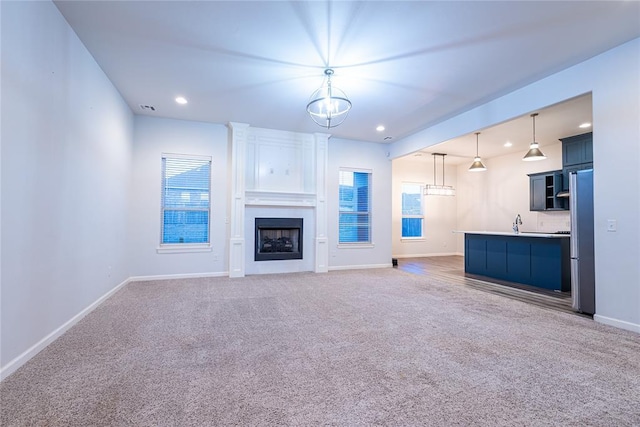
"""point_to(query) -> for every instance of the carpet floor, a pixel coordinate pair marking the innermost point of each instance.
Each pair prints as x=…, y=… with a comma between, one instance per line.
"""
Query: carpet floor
x=350, y=348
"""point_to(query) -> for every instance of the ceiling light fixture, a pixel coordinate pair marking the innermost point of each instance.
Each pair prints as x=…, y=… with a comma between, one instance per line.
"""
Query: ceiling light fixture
x=534, y=152
x=585, y=125
x=181, y=100
x=438, y=190
x=477, y=165
x=328, y=106
x=508, y=144
x=380, y=128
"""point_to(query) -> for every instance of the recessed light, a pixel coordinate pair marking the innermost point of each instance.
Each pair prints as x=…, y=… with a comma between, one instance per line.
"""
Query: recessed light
x=181, y=100
x=380, y=128
x=508, y=144
x=585, y=125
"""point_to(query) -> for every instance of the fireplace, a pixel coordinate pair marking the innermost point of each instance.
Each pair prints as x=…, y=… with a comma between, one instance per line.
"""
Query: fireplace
x=278, y=239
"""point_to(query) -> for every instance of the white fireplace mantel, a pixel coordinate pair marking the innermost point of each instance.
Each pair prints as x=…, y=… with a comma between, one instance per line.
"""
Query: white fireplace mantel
x=276, y=169
x=279, y=198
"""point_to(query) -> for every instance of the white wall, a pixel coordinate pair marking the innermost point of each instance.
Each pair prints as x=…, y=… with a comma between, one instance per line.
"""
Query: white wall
x=66, y=161
x=614, y=80
x=370, y=157
x=154, y=136
x=440, y=212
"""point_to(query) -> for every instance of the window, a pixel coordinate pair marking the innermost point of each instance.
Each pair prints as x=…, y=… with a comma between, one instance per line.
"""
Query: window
x=354, y=224
x=412, y=216
x=185, y=199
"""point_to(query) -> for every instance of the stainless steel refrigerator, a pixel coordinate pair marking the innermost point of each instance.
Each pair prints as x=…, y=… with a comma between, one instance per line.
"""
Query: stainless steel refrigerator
x=583, y=292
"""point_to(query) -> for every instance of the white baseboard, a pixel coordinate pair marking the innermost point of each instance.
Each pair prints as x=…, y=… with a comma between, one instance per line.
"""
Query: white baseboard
x=177, y=276
x=428, y=255
x=633, y=327
x=16, y=363
x=359, y=267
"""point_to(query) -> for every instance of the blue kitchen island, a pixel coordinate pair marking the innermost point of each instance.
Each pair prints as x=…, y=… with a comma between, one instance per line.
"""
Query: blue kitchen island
x=535, y=259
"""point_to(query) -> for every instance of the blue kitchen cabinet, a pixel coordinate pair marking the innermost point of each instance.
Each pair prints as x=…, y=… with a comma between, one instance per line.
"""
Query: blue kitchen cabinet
x=543, y=262
x=577, y=154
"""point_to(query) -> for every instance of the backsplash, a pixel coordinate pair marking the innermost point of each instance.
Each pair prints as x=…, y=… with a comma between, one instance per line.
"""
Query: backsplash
x=553, y=221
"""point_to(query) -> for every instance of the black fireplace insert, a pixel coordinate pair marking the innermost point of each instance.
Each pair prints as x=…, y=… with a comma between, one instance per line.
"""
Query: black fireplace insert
x=278, y=239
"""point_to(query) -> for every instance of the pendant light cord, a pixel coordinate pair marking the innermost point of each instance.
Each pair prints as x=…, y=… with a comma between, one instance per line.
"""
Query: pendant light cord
x=434, y=170
x=435, y=183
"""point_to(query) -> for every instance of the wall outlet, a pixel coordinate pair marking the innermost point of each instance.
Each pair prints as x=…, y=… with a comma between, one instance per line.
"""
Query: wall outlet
x=612, y=225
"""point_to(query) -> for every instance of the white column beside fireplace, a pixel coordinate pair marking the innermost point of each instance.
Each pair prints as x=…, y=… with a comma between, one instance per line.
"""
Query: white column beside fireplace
x=277, y=174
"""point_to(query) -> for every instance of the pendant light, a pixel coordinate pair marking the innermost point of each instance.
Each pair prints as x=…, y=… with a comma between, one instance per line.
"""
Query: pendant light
x=477, y=165
x=534, y=152
x=328, y=106
x=438, y=190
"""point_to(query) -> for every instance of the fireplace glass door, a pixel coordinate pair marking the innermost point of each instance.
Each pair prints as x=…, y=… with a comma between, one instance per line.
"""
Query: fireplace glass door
x=278, y=239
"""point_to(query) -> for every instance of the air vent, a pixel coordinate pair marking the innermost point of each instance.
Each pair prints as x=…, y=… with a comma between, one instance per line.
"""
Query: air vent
x=387, y=138
x=147, y=107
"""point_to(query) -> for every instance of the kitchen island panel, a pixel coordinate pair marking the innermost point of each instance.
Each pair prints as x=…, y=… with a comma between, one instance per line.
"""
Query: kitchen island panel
x=518, y=260
x=496, y=255
x=477, y=250
x=535, y=261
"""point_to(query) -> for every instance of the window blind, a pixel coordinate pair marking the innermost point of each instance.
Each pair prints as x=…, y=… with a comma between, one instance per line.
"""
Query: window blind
x=354, y=225
x=185, y=199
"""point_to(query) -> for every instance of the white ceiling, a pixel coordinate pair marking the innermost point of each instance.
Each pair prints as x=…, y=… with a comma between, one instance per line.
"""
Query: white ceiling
x=404, y=64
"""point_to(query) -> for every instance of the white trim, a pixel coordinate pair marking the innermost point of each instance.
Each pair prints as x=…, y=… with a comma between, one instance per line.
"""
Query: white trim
x=426, y=255
x=633, y=327
x=178, y=276
x=16, y=363
x=359, y=267
x=186, y=156
x=348, y=169
x=355, y=245
x=279, y=198
x=412, y=239
x=181, y=248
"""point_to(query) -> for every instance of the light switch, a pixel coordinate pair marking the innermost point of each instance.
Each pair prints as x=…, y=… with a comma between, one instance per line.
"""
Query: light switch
x=612, y=225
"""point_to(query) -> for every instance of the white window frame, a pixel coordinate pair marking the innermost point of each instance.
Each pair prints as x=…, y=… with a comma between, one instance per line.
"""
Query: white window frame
x=183, y=247
x=357, y=245
x=420, y=216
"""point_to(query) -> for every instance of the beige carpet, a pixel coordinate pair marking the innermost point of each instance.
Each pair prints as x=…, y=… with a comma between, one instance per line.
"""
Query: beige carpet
x=378, y=347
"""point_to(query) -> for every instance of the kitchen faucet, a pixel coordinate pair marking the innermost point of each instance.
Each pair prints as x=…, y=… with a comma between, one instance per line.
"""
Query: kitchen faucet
x=516, y=222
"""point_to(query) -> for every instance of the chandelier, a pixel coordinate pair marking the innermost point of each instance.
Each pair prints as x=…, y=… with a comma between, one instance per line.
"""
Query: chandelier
x=328, y=106
x=438, y=190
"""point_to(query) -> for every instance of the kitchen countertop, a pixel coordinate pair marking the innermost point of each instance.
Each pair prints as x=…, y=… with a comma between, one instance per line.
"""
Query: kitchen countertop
x=511, y=233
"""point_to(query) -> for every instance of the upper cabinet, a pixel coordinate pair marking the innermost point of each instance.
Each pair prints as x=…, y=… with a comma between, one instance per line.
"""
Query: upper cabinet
x=577, y=149
x=577, y=154
x=543, y=190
